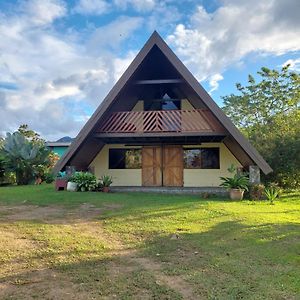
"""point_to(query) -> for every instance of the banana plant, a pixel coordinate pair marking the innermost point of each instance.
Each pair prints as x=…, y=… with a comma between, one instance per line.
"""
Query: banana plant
x=23, y=157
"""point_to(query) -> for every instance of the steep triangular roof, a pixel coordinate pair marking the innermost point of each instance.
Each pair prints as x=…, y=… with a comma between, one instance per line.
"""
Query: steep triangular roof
x=85, y=147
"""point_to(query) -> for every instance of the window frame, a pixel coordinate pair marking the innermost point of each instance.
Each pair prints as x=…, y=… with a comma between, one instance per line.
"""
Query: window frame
x=201, y=168
x=124, y=149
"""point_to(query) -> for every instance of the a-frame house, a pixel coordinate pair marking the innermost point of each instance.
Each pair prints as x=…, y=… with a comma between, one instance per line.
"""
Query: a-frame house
x=159, y=127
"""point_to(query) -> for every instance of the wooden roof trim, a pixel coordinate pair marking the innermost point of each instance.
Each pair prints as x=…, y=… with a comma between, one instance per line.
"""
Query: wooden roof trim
x=215, y=109
x=155, y=39
x=88, y=127
x=159, y=81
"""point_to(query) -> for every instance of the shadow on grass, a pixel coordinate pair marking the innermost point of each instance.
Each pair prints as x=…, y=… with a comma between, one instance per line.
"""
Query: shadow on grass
x=229, y=260
x=290, y=196
x=133, y=206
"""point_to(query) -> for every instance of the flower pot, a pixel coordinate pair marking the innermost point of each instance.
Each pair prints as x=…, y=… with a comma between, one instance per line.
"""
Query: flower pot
x=236, y=194
x=105, y=189
x=72, y=186
x=60, y=184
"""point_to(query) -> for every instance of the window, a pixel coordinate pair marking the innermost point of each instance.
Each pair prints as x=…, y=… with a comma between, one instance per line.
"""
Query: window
x=125, y=158
x=170, y=105
x=162, y=105
x=166, y=103
x=202, y=158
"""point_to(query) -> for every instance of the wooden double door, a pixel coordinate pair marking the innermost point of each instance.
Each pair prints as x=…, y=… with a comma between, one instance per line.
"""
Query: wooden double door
x=162, y=166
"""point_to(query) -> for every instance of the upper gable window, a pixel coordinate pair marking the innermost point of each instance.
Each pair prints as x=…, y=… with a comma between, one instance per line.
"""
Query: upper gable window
x=166, y=103
x=170, y=105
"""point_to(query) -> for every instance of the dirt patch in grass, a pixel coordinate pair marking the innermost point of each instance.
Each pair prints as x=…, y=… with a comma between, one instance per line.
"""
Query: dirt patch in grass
x=54, y=214
x=128, y=261
x=175, y=283
x=83, y=213
x=30, y=212
x=12, y=241
x=14, y=249
x=40, y=284
x=30, y=259
x=115, y=268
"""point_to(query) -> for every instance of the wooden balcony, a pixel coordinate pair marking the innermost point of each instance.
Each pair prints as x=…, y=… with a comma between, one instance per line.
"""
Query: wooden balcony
x=161, y=122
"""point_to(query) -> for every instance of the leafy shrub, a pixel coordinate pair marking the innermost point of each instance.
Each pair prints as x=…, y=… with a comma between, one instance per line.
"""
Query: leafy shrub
x=2, y=168
x=48, y=177
x=10, y=177
x=25, y=158
x=257, y=191
x=85, y=181
x=98, y=187
x=275, y=186
x=106, y=180
x=238, y=181
x=271, y=194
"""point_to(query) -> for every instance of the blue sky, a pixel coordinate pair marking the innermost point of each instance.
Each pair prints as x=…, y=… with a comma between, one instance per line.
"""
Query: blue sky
x=59, y=58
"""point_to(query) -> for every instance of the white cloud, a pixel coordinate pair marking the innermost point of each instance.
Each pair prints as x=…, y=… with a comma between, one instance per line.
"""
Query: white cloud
x=294, y=64
x=109, y=37
x=163, y=17
x=99, y=7
x=121, y=64
x=214, y=82
x=139, y=5
x=44, y=12
x=92, y=7
x=62, y=73
x=211, y=42
x=60, y=77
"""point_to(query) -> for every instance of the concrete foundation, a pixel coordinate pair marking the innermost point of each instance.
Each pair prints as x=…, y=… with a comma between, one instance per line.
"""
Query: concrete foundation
x=219, y=191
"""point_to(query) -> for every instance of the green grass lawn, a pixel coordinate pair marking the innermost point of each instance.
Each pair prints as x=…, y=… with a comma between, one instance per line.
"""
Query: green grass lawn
x=62, y=245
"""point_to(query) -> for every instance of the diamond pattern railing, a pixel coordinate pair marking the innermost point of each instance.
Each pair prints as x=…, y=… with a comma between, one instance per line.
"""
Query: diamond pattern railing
x=197, y=120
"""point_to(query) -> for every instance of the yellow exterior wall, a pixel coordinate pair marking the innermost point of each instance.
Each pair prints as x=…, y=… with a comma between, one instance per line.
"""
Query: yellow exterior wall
x=191, y=177
x=210, y=177
x=139, y=106
x=186, y=105
x=121, y=177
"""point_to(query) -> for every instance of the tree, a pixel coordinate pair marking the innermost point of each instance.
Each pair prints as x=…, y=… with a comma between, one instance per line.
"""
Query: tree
x=267, y=112
x=2, y=162
x=2, y=168
x=24, y=157
x=30, y=134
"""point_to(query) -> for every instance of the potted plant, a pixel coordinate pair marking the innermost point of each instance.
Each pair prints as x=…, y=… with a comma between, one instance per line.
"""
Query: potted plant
x=237, y=184
x=72, y=184
x=105, y=181
x=85, y=181
x=61, y=181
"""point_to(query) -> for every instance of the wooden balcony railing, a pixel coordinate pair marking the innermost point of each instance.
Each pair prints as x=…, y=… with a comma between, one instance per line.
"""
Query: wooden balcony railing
x=197, y=120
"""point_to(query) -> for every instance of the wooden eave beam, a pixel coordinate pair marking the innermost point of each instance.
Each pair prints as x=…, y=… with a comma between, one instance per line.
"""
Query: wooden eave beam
x=158, y=134
x=159, y=81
